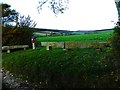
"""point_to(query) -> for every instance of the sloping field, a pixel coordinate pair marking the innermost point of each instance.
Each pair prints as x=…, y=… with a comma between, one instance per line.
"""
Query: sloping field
x=102, y=36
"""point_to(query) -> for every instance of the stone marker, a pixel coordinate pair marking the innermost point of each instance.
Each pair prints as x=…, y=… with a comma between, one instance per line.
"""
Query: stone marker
x=48, y=47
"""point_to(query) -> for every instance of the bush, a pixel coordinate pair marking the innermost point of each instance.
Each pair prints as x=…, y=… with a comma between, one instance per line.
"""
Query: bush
x=116, y=44
x=16, y=36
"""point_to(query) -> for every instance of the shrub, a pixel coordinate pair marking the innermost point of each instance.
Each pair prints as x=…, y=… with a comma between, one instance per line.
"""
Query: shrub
x=116, y=44
x=16, y=36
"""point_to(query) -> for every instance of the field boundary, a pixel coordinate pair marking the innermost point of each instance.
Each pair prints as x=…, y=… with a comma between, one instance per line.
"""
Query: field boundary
x=70, y=45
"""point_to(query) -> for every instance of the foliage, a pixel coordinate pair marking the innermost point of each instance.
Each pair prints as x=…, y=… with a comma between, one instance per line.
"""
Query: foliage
x=65, y=69
x=116, y=44
x=55, y=5
x=19, y=34
x=16, y=36
x=25, y=22
x=7, y=34
x=118, y=7
x=83, y=38
x=8, y=15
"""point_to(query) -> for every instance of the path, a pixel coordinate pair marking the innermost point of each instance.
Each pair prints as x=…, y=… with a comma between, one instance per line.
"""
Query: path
x=12, y=83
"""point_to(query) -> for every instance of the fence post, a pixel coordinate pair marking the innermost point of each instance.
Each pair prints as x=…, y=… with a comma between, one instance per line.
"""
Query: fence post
x=8, y=51
x=64, y=47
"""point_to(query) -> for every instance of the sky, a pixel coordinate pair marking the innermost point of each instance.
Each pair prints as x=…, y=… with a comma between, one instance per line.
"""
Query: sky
x=81, y=15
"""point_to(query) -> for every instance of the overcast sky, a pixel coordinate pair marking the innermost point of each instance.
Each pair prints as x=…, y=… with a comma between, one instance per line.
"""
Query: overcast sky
x=81, y=15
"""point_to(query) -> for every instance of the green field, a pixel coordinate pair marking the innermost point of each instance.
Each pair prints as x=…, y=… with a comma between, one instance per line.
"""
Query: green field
x=101, y=36
x=73, y=68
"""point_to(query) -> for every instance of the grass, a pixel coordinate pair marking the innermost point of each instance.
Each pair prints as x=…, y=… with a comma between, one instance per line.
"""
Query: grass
x=80, y=67
x=101, y=36
x=58, y=68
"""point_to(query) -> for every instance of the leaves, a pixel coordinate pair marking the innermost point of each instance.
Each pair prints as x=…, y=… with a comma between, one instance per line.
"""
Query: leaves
x=8, y=15
x=55, y=5
x=26, y=22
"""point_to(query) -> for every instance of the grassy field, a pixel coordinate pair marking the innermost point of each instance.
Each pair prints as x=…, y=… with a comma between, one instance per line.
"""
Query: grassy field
x=72, y=68
x=100, y=36
x=80, y=67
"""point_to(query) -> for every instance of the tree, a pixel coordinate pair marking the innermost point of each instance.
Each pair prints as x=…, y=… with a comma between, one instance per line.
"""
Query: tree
x=55, y=5
x=116, y=39
x=26, y=22
x=19, y=34
x=25, y=29
x=8, y=15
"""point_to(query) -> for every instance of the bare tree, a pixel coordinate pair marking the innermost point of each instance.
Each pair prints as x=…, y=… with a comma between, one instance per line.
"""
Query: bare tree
x=26, y=22
x=55, y=5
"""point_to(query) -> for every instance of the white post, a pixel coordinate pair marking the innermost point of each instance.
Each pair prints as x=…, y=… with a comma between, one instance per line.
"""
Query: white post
x=8, y=51
x=24, y=48
x=47, y=47
x=33, y=44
